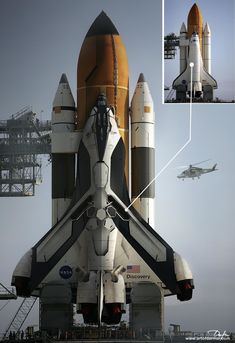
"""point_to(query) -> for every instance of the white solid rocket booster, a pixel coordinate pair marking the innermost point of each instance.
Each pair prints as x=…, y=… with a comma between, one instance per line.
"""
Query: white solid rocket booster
x=63, y=161
x=206, y=46
x=143, y=150
x=183, y=45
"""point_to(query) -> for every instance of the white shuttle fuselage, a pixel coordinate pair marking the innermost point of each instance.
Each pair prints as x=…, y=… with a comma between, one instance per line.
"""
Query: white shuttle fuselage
x=200, y=77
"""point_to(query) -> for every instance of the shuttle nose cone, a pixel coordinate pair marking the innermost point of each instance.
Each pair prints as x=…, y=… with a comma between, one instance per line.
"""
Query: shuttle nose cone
x=102, y=26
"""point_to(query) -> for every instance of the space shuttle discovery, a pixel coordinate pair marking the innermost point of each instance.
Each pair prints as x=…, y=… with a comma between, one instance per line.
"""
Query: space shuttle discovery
x=195, y=50
x=99, y=245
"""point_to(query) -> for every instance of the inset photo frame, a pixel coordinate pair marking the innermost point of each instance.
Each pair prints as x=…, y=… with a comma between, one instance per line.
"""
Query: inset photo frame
x=199, y=50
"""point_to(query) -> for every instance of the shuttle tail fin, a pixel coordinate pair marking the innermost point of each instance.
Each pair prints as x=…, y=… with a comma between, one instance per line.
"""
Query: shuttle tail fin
x=100, y=295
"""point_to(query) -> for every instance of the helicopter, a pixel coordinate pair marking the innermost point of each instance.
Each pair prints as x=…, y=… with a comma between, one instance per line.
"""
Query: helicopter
x=194, y=171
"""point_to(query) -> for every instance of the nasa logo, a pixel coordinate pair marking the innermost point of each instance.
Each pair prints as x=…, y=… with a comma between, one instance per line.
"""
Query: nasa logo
x=66, y=272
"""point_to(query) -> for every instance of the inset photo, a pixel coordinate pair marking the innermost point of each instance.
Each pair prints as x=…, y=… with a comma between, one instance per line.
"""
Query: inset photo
x=199, y=51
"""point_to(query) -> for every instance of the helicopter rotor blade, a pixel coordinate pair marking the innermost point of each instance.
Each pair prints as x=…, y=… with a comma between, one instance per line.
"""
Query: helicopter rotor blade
x=195, y=164
x=181, y=167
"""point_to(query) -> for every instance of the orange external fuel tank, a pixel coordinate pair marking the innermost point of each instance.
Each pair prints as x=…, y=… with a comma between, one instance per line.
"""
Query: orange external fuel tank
x=103, y=68
x=195, y=23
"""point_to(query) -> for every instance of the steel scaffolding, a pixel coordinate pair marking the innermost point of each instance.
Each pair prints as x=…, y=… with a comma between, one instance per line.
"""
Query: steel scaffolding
x=20, y=316
x=171, y=41
x=22, y=138
x=6, y=294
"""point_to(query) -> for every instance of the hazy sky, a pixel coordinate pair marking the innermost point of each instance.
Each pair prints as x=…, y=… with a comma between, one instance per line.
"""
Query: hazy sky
x=39, y=41
x=220, y=16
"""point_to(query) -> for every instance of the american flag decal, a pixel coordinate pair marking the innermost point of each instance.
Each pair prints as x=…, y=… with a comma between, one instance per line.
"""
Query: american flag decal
x=133, y=269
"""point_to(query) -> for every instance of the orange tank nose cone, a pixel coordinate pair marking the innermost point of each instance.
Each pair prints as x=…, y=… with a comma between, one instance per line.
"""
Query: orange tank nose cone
x=103, y=68
x=195, y=22
x=102, y=26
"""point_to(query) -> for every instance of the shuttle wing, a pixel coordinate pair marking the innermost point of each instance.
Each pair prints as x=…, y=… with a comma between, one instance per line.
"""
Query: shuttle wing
x=182, y=78
x=45, y=255
x=155, y=252
x=207, y=79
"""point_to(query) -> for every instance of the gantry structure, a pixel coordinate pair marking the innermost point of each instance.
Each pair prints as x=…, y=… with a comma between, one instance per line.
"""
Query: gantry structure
x=23, y=138
x=171, y=42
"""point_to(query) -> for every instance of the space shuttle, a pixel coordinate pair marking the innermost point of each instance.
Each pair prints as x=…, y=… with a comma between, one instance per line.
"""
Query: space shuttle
x=195, y=50
x=101, y=242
